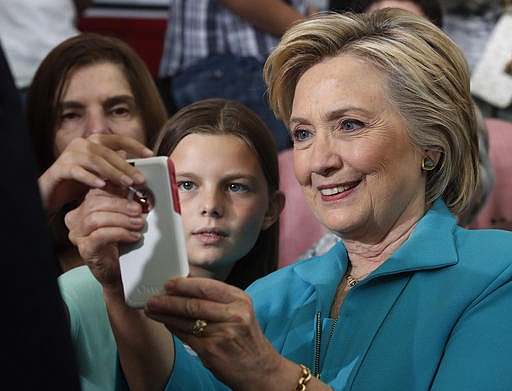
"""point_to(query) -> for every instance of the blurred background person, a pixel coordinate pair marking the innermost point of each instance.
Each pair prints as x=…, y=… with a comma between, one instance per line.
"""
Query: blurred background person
x=430, y=9
x=217, y=48
x=471, y=24
x=30, y=29
x=37, y=344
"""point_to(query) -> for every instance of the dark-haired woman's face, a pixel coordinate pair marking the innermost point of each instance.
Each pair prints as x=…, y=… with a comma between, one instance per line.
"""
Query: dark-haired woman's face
x=97, y=98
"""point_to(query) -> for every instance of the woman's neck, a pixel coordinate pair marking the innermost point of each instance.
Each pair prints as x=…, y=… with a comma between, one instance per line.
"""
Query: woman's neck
x=366, y=257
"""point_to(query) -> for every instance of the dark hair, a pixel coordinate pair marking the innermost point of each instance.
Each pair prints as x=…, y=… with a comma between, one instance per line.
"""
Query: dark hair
x=221, y=117
x=85, y=49
x=431, y=8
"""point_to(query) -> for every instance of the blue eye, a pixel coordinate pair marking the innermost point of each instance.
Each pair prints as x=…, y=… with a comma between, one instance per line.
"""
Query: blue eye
x=301, y=134
x=350, y=125
x=237, y=187
x=186, y=186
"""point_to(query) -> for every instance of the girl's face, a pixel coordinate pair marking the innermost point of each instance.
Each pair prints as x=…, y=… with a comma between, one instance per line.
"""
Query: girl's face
x=97, y=98
x=224, y=201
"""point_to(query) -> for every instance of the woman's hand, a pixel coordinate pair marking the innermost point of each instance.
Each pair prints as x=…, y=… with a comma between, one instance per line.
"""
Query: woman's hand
x=104, y=219
x=232, y=344
x=89, y=163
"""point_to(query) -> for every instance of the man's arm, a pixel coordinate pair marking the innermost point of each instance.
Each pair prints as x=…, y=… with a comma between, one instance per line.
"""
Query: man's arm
x=273, y=16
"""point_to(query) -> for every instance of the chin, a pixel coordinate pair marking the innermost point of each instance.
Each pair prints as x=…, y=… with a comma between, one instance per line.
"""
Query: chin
x=340, y=226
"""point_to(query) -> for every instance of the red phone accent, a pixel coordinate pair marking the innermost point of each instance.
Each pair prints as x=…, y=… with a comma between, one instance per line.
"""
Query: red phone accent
x=174, y=186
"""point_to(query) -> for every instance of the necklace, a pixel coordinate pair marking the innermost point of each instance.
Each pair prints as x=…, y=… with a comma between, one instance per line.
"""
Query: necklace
x=351, y=281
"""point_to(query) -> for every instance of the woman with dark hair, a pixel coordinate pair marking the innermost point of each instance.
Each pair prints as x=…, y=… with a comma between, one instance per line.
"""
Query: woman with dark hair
x=91, y=96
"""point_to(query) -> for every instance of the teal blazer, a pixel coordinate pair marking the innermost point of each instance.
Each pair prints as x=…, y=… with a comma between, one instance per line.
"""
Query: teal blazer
x=437, y=315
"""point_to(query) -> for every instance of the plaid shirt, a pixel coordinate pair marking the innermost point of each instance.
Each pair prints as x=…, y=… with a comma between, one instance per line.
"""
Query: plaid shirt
x=201, y=28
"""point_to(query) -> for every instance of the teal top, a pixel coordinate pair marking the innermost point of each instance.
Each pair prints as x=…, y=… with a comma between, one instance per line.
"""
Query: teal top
x=437, y=315
x=91, y=333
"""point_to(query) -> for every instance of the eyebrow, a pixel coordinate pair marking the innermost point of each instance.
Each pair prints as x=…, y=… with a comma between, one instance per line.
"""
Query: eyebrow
x=114, y=100
x=331, y=115
x=227, y=178
x=70, y=104
x=109, y=102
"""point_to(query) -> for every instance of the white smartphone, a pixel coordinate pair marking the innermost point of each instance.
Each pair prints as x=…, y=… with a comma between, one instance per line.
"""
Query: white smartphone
x=161, y=252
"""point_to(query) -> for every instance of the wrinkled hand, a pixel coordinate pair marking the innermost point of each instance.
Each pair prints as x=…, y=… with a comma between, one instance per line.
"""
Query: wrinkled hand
x=232, y=344
x=104, y=219
x=89, y=163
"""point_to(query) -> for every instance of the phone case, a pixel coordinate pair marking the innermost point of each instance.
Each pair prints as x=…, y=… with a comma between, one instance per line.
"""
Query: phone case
x=161, y=252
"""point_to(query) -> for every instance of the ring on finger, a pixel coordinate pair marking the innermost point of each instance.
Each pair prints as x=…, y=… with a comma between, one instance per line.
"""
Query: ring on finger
x=198, y=327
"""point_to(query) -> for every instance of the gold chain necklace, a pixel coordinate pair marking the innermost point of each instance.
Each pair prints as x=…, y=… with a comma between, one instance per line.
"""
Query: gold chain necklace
x=351, y=282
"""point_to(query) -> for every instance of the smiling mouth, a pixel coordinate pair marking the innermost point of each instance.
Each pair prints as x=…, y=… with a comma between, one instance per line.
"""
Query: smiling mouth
x=338, y=189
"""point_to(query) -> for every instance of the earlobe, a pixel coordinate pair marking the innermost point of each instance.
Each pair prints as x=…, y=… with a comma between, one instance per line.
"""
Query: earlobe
x=276, y=206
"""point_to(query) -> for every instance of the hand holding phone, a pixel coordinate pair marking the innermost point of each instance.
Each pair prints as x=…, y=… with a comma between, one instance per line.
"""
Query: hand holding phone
x=161, y=252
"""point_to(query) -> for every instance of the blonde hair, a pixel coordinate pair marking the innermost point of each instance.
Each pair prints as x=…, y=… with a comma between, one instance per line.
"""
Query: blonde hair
x=427, y=82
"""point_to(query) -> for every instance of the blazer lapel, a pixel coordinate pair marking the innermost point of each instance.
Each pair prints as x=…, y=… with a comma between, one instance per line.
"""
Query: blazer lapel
x=367, y=304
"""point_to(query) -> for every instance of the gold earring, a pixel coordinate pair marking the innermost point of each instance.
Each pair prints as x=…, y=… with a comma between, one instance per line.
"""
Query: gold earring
x=427, y=164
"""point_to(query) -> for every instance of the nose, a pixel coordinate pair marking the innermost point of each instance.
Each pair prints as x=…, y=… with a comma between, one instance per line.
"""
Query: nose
x=211, y=204
x=96, y=123
x=324, y=158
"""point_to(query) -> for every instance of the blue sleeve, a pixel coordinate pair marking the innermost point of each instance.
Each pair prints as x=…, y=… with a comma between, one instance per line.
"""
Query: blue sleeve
x=190, y=374
x=477, y=356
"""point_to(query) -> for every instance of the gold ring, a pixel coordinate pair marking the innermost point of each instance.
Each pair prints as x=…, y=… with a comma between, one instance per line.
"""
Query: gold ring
x=198, y=327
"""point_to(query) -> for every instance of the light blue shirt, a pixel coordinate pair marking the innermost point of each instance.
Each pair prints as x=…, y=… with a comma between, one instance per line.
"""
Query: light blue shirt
x=437, y=315
x=92, y=336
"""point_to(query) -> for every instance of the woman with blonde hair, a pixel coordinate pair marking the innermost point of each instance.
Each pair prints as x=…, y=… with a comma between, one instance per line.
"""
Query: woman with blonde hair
x=386, y=153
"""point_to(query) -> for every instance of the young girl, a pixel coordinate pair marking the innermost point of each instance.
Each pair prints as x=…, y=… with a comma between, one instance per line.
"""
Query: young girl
x=227, y=174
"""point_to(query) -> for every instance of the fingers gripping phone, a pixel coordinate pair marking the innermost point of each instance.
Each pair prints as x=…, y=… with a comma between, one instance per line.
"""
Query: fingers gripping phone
x=161, y=252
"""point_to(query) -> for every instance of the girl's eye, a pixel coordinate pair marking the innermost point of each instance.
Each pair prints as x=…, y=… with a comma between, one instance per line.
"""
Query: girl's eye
x=301, y=134
x=350, y=125
x=237, y=187
x=186, y=186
